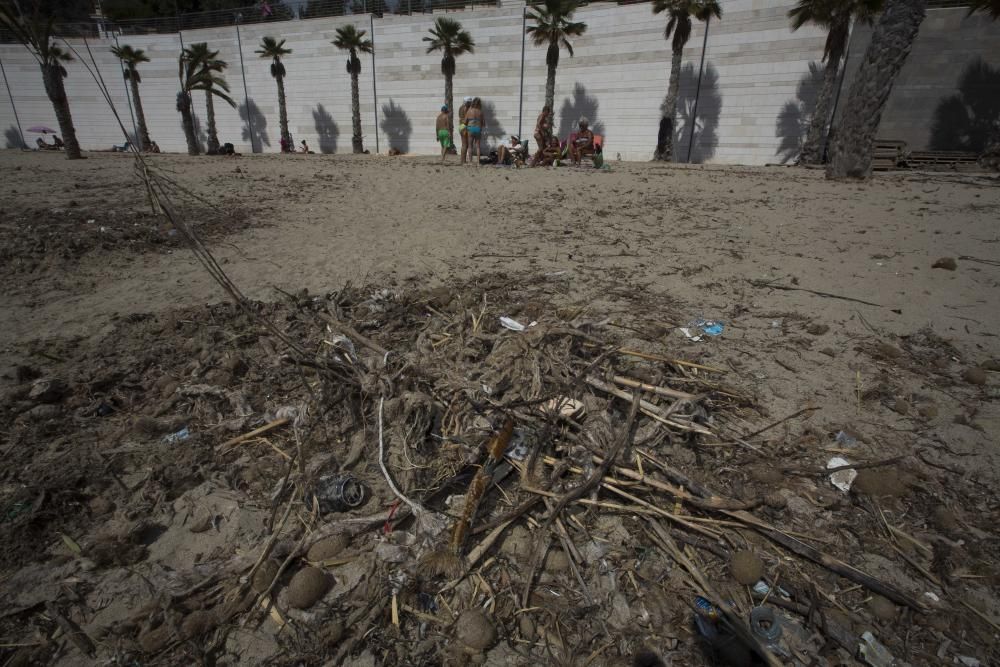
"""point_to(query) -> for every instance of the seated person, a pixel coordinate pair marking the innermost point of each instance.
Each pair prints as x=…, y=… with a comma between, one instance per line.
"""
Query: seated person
x=513, y=150
x=304, y=148
x=154, y=147
x=121, y=149
x=42, y=146
x=550, y=154
x=57, y=143
x=583, y=143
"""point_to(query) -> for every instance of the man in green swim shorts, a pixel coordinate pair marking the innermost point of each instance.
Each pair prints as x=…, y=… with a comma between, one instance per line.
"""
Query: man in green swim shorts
x=443, y=134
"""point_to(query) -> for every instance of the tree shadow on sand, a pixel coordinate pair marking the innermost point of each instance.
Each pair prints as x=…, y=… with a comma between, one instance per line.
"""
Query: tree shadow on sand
x=965, y=121
x=704, y=138
x=580, y=105
x=326, y=129
x=14, y=138
x=792, y=124
x=492, y=129
x=396, y=126
x=254, y=125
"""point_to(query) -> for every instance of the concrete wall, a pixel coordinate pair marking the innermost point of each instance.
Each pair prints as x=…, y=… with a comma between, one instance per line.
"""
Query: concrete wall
x=757, y=91
x=930, y=108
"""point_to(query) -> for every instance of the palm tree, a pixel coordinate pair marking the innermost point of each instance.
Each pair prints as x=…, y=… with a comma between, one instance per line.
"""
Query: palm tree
x=209, y=60
x=990, y=7
x=131, y=58
x=35, y=32
x=353, y=40
x=552, y=27
x=273, y=49
x=991, y=156
x=835, y=16
x=448, y=37
x=194, y=75
x=679, y=27
x=851, y=150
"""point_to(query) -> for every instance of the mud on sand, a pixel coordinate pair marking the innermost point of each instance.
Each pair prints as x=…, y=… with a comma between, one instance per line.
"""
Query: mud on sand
x=129, y=533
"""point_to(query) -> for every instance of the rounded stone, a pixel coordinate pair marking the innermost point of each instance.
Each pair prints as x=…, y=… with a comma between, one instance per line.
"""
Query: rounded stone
x=327, y=548
x=307, y=587
x=475, y=630
x=197, y=623
x=974, y=375
x=264, y=575
x=881, y=608
x=746, y=567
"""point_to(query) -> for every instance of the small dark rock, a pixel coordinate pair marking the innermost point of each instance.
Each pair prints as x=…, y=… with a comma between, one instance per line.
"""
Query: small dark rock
x=888, y=351
x=974, y=375
x=947, y=263
x=901, y=406
x=43, y=412
x=817, y=329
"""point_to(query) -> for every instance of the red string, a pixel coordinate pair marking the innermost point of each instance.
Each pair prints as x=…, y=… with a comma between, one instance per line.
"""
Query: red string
x=387, y=528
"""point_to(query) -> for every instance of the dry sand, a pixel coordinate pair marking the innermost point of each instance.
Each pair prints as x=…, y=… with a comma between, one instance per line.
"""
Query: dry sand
x=889, y=362
x=699, y=235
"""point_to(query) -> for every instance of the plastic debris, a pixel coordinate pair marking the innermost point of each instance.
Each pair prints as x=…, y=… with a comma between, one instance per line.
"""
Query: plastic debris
x=842, y=479
x=179, y=436
x=687, y=333
x=710, y=327
x=518, y=449
x=932, y=596
x=339, y=493
x=968, y=661
x=845, y=439
x=766, y=625
x=514, y=325
x=874, y=653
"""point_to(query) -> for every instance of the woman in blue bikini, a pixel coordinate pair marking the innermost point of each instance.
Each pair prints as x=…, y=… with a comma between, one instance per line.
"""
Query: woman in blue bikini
x=474, y=126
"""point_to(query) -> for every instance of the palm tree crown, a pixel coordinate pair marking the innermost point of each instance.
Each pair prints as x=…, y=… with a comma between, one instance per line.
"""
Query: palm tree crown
x=681, y=11
x=989, y=7
x=351, y=39
x=198, y=72
x=553, y=26
x=835, y=17
x=131, y=57
x=35, y=32
x=273, y=49
x=448, y=37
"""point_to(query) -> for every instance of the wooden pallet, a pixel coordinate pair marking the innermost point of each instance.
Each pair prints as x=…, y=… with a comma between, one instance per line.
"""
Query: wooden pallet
x=941, y=159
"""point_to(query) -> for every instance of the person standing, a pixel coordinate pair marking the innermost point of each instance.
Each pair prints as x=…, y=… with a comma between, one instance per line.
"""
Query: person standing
x=462, y=131
x=443, y=134
x=474, y=126
x=543, y=131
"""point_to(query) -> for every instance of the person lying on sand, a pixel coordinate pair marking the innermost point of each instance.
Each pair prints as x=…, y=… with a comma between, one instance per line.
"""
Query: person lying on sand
x=583, y=143
x=442, y=132
x=42, y=146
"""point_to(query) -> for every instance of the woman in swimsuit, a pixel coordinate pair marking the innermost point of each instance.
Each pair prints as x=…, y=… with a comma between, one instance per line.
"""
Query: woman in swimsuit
x=474, y=126
x=462, y=131
x=543, y=131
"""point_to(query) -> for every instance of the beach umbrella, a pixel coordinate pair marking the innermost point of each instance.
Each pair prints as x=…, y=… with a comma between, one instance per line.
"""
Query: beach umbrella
x=42, y=129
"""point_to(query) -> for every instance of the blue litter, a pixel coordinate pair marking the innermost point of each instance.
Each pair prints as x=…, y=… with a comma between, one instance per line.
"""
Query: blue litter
x=709, y=327
x=179, y=436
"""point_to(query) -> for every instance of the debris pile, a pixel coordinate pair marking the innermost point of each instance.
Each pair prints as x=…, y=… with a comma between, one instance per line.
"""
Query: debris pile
x=483, y=473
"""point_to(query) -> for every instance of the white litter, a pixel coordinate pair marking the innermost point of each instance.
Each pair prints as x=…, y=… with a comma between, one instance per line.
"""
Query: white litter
x=688, y=334
x=842, y=479
x=514, y=325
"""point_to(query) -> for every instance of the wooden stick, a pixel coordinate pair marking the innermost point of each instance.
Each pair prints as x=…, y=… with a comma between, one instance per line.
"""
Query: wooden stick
x=351, y=332
x=72, y=631
x=829, y=562
x=679, y=362
x=779, y=422
x=789, y=288
x=662, y=391
x=254, y=433
x=647, y=408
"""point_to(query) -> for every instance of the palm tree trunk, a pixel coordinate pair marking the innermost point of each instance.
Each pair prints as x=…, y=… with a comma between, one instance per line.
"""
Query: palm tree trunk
x=851, y=153
x=448, y=99
x=356, y=141
x=187, y=122
x=991, y=156
x=213, y=135
x=283, y=111
x=52, y=77
x=666, y=151
x=550, y=88
x=140, y=117
x=812, y=149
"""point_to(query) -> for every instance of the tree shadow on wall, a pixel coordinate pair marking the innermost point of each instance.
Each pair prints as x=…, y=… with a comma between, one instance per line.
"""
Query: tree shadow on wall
x=14, y=138
x=326, y=128
x=792, y=124
x=964, y=121
x=705, y=138
x=492, y=129
x=576, y=107
x=254, y=125
x=396, y=126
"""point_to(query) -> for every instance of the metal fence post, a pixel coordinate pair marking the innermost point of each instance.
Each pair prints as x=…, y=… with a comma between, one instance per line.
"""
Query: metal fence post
x=520, y=104
x=246, y=93
x=371, y=19
x=697, y=91
x=24, y=144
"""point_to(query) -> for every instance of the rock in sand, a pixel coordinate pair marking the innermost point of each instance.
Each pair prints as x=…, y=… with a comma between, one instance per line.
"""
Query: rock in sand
x=947, y=263
x=974, y=375
x=475, y=630
x=307, y=587
x=264, y=575
x=746, y=567
x=881, y=608
x=326, y=548
x=817, y=329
